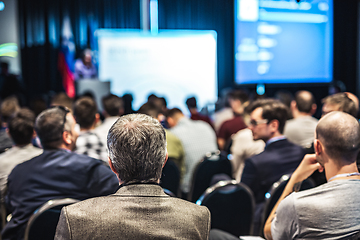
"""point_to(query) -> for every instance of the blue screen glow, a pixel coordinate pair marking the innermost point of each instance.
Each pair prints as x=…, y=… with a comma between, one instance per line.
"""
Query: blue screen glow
x=283, y=41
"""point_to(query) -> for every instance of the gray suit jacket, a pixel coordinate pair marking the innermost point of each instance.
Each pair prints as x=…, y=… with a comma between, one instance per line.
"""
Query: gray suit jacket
x=139, y=211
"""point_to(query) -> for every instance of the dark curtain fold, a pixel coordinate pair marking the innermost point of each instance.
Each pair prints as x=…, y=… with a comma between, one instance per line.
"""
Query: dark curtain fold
x=215, y=15
x=40, y=33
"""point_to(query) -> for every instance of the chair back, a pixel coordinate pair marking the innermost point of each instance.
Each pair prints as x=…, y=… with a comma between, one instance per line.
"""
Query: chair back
x=231, y=205
x=210, y=165
x=273, y=195
x=170, y=178
x=42, y=224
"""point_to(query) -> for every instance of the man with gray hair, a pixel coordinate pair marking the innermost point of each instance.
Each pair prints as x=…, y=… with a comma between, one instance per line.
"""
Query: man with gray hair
x=139, y=209
x=330, y=211
x=56, y=173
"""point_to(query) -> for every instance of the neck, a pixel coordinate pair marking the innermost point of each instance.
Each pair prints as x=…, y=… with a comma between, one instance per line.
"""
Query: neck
x=193, y=110
x=297, y=114
x=332, y=169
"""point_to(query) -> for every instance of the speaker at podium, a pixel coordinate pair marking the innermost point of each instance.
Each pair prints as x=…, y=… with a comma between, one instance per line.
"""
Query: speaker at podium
x=97, y=88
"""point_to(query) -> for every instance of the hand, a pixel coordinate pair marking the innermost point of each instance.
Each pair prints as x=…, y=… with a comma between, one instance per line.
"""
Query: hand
x=308, y=165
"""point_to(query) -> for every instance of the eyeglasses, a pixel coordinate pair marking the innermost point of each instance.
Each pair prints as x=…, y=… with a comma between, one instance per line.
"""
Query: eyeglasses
x=254, y=122
x=66, y=111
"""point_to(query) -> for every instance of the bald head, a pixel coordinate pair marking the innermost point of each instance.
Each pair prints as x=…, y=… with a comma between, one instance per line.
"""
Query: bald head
x=305, y=101
x=340, y=134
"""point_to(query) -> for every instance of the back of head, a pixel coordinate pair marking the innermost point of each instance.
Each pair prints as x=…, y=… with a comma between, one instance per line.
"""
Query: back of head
x=342, y=102
x=62, y=99
x=137, y=148
x=85, y=110
x=8, y=108
x=173, y=113
x=21, y=126
x=272, y=110
x=150, y=109
x=191, y=102
x=50, y=125
x=304, y=101
x=340, y=134
x=239, y=95
x=112, y=105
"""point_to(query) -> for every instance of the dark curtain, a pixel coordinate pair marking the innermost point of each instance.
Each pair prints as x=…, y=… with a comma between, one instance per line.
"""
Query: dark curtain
x=215, y=15
x=40, y=33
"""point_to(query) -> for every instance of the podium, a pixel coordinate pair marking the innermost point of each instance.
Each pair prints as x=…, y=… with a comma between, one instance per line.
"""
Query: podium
x=97, y=88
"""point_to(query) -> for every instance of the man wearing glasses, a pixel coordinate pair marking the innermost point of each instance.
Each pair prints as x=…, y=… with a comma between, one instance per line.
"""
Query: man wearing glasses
x=57, y=173
x=280, y=156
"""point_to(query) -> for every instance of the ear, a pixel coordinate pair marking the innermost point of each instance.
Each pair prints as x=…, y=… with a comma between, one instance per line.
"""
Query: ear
x=274, y=125
x=166, y=158
x=112, y=166
x=97, y=118
x=293, y=105
x=318, y=147
x=67, y=137
x=313, y=109
x=171, y=122
x=34, y=134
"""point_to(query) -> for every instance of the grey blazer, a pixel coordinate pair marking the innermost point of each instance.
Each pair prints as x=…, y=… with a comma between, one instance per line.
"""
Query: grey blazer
x=139, y=211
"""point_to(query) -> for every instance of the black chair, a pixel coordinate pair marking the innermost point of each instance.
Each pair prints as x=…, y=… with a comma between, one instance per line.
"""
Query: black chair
x=211, y=164
x=42, y=224
x=231, y=205
x=273, y=195
x=170, y=178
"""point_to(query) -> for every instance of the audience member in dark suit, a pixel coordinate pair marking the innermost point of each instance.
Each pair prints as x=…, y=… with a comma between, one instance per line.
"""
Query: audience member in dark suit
x=139, y=209
x=57, y=173
x=280, y=156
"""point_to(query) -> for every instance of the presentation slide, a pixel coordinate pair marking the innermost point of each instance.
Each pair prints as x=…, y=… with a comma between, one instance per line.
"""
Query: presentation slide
x=9, y=35
x=174, y=64
x=283, y=41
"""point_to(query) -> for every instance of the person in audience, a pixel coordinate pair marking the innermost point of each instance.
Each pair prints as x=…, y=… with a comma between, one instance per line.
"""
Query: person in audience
x=128, y=99
x=113, y=109
x=21, y=131
x=238, y=100
x=56, y=173
x=8, y=107
x=88, y=142
x=339, y=102
x=300, y=130
x=197, y=138
x=84, y=67
x=195, y=115
x=280, y=156
x=244, y=146
x=329, y=211
x=223, y=111
x=62, y=99
x=139, y=209
x=173, y=144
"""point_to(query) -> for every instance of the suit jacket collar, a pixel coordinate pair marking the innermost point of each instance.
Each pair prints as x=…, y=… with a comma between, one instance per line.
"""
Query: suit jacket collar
x=141, y=189
x=276, y=144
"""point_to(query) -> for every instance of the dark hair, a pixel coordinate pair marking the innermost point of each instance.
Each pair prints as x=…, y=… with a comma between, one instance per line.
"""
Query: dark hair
x=112, y=104
x=239, y=95
x=9, y=107
x=21, y=126
x=340, y=134
x=272, y=110
x=344, y=103
x=304, y=101
x=191, y=102
x=150, y=109
x=50, y=125
x=137, y=148
x=84, y=112
x=172, y=112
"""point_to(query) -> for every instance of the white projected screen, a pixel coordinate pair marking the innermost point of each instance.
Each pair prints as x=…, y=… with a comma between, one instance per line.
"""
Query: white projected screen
x=174, y=64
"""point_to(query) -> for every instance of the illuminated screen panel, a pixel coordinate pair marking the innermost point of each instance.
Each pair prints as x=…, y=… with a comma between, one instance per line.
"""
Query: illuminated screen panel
x=283, y=41
x=175, y=64
x=9, y=35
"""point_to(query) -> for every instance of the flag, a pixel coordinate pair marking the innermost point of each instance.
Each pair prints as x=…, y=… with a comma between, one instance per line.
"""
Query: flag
x=66, y=58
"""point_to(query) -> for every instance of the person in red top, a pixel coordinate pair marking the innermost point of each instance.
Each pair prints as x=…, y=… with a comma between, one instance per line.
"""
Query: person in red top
x=238, y=100
x=195, y=115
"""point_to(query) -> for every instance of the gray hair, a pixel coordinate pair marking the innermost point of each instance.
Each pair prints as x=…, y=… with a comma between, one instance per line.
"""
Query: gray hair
x=340, y=134
x=137, y=148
